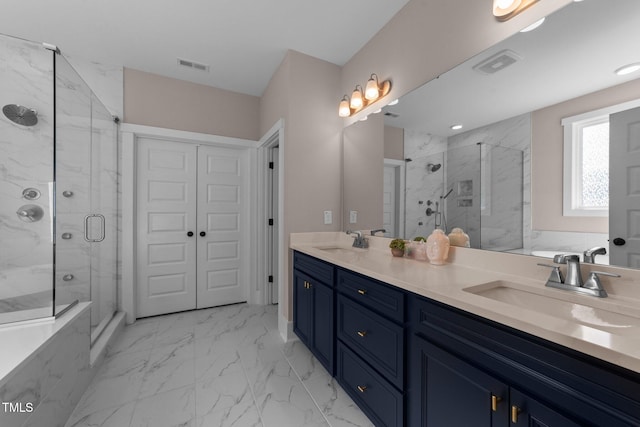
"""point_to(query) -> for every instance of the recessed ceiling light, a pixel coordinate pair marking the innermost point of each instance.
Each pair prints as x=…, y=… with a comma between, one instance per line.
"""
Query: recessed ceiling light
x=628, y=69
x=364, y=118
x=533, y=26
x=394, y=102
x=456, y=127
x=379, y=110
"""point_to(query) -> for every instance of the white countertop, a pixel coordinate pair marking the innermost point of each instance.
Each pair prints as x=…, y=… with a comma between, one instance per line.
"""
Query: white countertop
x=469, y=268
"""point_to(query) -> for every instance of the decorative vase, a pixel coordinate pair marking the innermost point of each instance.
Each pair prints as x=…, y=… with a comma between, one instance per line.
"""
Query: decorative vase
x=418, y=250
x=458, y=237
x=438, y=247
x=397, y=252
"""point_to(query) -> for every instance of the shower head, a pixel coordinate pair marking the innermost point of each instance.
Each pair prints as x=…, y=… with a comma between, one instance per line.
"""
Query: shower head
x=21, y=115
x=432, y=168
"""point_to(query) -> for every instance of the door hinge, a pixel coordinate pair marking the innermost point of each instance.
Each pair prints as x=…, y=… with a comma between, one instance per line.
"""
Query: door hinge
x=270, y=221
x=270, y=165
x=270, y=279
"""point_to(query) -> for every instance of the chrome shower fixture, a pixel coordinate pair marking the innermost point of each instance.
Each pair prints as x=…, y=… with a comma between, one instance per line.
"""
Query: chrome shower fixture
x=21, y=115
x=431, y=168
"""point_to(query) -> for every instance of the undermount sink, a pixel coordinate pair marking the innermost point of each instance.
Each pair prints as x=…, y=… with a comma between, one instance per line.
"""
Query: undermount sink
x=340, y=250
x=584, y=312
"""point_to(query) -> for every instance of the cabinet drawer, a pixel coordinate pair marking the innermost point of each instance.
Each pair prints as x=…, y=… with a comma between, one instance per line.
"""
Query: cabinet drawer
x=382, y=403
x=373, y=294
x=377, y=340
x=315, y=268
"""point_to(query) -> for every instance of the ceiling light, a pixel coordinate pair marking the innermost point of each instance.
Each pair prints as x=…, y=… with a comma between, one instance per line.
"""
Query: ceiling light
x=379, y=110
x=394, y=102
x=628, y=69
x=364, y=119
x=504, y=10
x=456, y=127
x=533, y=26
x=344, y=110
x=356, y=98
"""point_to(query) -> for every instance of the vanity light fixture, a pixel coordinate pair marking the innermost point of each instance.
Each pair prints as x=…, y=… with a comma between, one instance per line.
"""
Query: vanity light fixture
x=374, y=90
x=344, y=110
x=357, y=101
x=628, y=69
x=456, y=127
x=504, y=10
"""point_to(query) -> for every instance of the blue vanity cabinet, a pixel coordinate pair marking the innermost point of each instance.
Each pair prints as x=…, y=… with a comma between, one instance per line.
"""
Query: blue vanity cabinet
x=313, y=307
x=371, y=346
x=464, y=370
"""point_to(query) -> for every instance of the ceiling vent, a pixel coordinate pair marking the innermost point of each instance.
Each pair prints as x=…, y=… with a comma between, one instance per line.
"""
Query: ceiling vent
x=193, y=64
x=390, y=114
x=497, y=62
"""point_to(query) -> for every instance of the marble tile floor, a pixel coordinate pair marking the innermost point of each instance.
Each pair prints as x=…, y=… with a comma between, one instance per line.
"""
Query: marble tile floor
x=219, y=367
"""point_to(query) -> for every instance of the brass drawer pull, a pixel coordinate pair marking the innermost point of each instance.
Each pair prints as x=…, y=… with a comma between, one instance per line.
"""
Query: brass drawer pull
x=494, y=402
x=307, y=285
x=362, y=388
x=515, y=411
x=362, y=291
x=362, y=333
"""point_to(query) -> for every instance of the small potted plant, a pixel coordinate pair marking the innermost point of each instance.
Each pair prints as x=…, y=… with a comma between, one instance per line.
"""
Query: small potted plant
x=397, y=247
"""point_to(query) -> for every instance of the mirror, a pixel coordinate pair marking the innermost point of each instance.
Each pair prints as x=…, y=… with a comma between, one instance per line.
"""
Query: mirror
x=508, y=157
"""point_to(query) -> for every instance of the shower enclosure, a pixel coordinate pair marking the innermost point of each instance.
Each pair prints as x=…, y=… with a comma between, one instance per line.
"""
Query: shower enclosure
x=59, y=210
x=475, y=187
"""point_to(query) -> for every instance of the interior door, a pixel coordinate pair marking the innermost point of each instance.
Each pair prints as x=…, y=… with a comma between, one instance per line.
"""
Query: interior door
x=166, y=214
x=389, y=201
x=273, y=235
x=222, y=226
x=624, y=188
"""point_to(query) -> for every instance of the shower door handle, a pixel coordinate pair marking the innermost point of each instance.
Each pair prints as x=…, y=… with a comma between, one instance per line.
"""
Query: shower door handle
x=87, y=219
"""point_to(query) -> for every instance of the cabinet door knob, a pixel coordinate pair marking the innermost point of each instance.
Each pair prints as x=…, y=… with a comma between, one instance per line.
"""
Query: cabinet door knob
x=362, y=291
x=189, y=233
x=362, y=333
x=515, y=411
x=202, y=234
x=494, y=402
x=362, y=388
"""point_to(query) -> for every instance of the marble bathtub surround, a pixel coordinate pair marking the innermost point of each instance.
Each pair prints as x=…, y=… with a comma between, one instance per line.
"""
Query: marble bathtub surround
x=469, y=267
x=225, y=366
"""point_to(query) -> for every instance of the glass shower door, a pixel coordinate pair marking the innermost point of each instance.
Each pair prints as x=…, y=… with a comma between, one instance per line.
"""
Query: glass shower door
x=86, y=192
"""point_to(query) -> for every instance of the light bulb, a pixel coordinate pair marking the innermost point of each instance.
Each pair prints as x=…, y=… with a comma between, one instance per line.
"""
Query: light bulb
x=343, y=109
x=356, y=98
x=372, y=90
x=505, y=7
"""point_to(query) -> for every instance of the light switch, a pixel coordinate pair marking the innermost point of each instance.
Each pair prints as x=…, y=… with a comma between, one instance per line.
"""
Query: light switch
x=353, y=217
x=328, y=217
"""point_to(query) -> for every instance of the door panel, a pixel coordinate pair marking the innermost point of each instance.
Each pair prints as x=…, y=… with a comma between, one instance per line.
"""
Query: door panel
x=166, y=177
x=222, y=216
x=624, y=197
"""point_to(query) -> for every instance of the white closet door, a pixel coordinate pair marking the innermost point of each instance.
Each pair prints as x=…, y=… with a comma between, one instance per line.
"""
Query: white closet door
x=166, y=212
x=223, y=218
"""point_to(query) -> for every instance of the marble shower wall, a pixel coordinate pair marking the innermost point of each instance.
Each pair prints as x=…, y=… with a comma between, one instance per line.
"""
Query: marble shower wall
x=421, y=185
x=462, y=167
x=26, y=153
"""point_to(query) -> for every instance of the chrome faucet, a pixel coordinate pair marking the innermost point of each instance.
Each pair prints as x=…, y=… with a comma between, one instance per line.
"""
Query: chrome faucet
x=590, y=254
x=360, y=241
x=574, y=282
x=574, y=277
x=378, y=230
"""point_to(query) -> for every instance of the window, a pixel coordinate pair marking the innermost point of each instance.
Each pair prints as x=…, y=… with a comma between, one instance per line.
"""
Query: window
x=586, y=162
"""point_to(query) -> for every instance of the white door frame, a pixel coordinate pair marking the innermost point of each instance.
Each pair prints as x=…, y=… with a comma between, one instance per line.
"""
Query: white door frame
x=400, y=166
x=130, y=133
x=273, y=137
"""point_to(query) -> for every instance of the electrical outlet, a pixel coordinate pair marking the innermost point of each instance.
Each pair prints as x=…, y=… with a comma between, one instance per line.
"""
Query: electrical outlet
x=328, y=217
x=353, y=217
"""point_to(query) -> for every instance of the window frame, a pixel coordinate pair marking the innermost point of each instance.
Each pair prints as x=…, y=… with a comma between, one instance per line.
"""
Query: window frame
x=572, y=159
